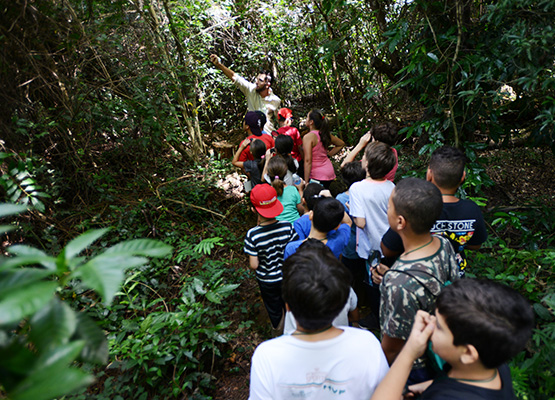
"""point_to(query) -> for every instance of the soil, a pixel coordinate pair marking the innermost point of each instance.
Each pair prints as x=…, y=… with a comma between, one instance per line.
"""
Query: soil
x=520, y=176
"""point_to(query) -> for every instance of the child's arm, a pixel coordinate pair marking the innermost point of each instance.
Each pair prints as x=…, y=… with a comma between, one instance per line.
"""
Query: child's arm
x=253, y=262
x=360, y=222
x=391, y=387
x=309, y=141
x=391, y=347
x=364, y=140
x=338, y=145
x=267, y=156
x=347, y=219
x=354, y=317
x=235, y=161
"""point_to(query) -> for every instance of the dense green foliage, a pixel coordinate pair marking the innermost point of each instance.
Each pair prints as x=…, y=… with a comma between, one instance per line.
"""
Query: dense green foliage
x=108, y=111
x=42, y=335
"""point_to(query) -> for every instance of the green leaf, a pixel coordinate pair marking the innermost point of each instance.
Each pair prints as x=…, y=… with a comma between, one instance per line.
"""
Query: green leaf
x=83, y=241
x=52, y=377
x=96, y=346
x=104, y=273
x=53, y=325
x=6, y=228
x=13, y=280
x=27, y=301
x=23, y=250
x=11, y=209
x=141, y=247
x=12, y=262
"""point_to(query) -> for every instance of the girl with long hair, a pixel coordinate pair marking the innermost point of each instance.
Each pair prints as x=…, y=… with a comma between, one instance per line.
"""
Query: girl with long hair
x=317, y=165
x=289, y=196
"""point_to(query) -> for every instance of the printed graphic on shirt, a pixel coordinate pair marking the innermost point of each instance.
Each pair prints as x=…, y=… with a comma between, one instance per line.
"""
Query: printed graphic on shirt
x=316, y=381
x=459, y=233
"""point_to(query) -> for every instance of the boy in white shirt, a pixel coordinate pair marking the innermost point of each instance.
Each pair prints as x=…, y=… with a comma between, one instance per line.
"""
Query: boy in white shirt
x=319, y=360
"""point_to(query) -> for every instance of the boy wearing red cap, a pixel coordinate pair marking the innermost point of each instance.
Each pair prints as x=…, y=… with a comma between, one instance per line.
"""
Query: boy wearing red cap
x=265, y=245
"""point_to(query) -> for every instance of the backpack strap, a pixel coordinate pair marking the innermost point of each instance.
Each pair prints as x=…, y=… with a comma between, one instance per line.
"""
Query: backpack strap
x=441, y=284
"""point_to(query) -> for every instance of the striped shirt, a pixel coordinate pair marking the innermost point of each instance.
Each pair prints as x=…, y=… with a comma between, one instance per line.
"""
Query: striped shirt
x=268, y=244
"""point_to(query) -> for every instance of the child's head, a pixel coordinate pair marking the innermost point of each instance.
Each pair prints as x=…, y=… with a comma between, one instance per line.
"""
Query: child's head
x=492, y=317
x=379, y=159
x=284, y=147
x=447, y=167
x=265, y=202
x=284, y=114
x=257, y=148
x=284, y=144
x=386, y=133
x=315, y=285
x=327, y=214
x=418, y=201
x=255, y=121
x=311, y=194
x=353, y=172
x=277, y=169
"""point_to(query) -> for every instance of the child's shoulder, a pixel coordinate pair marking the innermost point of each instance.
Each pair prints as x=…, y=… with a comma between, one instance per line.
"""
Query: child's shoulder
x=463, y=206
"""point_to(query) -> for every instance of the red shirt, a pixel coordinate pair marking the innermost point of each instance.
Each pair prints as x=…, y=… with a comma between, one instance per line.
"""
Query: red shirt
x=246, y=153
x=297, y=141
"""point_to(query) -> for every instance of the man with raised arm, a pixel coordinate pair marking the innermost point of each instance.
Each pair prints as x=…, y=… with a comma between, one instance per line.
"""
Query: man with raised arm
x=260, y=96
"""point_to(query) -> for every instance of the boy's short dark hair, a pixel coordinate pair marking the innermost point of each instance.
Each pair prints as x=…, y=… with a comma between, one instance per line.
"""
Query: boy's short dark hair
x=327, y=214
x=352, y=172
x=419, y=201
x=311, y=194
x=380, y=159
x=492, y=317
x=386, y=132
x=315, y=285
x=447, y=165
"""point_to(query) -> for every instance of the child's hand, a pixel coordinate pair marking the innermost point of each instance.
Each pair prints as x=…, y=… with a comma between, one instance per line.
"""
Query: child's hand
x=325, y=193
x=245, y=143
x=269, y=153
x=378, y=273
x=422, y=329
x=367, y=138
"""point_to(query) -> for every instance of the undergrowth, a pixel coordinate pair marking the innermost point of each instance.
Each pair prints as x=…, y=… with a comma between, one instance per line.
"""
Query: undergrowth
x=520, y=253
x=169, y=328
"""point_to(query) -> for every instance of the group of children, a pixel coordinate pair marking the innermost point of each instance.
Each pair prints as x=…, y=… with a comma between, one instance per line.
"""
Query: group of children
x=401, y=246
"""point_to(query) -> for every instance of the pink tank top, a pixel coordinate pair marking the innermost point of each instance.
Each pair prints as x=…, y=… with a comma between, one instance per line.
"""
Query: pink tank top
x=322, y=169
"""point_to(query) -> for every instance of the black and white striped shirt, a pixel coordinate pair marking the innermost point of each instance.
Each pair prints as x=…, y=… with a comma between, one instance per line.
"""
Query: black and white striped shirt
x=268, y=244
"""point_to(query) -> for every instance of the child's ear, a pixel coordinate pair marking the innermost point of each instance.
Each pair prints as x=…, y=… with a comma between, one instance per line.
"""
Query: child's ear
x=469, y=355
x=287, y=307
x=253, y=210
x=400, y=223
x=429, y=175
x=463, y=178
x=310, y=214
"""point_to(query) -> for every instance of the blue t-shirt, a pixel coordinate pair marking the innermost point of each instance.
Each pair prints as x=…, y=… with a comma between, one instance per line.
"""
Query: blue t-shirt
x=302, y=226
x=337, y=240
x=350, y=251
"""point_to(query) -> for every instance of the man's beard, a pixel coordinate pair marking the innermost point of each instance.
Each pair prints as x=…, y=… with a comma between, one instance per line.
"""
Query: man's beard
x=261, y=89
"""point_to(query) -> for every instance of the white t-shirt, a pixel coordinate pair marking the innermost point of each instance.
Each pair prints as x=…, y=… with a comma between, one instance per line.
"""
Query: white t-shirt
x=290, y=325
x=268, y=105
x=347, y=367
x=369, y=200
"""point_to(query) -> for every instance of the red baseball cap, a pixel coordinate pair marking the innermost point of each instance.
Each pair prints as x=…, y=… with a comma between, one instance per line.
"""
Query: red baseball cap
x=285, y=113
x=264, y=198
